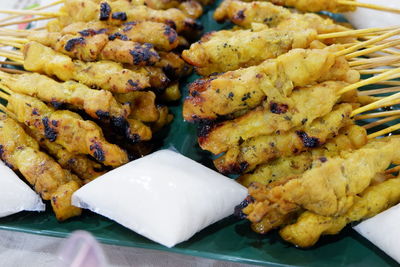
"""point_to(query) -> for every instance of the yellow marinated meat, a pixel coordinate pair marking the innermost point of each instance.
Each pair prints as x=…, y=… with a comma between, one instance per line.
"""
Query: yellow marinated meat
x=143, y=105
x=308, y=228
x=97, y=47
x=98, y=104
x=129, y=52
x=171, y=93
x=107, y=75
x=162, y=36
x=157, y=77
x=81, y=165
x=173, y=65
x=327, y=190
x=276, y=115
x=119, y=12
x=21, y=152
x=246, y=88
x=164, y=119
x=193, y=9
x=244, y=14
x=315, y=5
x=61, y=201
x=67, y=129
x=230, y=50
x=262, y=149
x=349, y=138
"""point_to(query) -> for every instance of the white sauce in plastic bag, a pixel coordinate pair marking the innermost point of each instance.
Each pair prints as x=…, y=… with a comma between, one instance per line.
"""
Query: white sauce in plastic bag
x=164, y=196
x=383, y=231
x=15, y=195
x=370, y=18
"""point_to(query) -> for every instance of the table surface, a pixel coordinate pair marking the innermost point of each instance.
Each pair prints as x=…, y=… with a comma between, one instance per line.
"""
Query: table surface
x=21, y=249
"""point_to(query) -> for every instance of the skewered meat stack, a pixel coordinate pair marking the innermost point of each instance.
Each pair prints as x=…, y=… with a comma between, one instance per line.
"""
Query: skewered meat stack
x=277, y=107
x=89, y=79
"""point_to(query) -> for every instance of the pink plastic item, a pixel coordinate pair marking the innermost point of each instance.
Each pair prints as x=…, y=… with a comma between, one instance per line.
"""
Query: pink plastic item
x=81, y=250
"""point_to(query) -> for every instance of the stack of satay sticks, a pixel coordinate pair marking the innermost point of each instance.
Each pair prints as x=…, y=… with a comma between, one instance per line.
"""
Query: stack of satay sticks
x=87, y=93
x=334, y=6
x=278, y=105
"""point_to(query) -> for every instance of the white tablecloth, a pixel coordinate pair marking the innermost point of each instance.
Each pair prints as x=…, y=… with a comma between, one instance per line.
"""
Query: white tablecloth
x=21, y=249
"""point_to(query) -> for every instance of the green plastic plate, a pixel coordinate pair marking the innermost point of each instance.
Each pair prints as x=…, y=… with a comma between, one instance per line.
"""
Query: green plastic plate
x=229, y=239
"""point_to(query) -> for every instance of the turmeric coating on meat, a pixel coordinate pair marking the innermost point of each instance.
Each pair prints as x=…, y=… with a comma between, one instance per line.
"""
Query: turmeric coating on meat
x=327, y=190
x=67, y=129
x=308, y=228
x=98, y=47
x=315, y=5
x=98, y=104
x=173, y=65
x=119, y=12
x=143, y=105
x=21, y=152
x=277, y=115
x=107, y=75
x=349, y=138
x=162, y=36
x=230, y=50
x=262, y=149
x=81, y=165
x=244, y=14
x=248, y=87
x=193, y=9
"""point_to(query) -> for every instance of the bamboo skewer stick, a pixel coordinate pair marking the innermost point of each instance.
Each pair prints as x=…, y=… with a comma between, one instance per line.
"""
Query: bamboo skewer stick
x=373, y=71
x=381, y=77
x=373, y=49
x=374, y=105
x=384, y=131
x=374, y=62
x=12, y=63
x=36, y=8
x=16, y=58
x=380, y=122
x=4, y=95
x=30, y=12
x=24, y=21
x=379, y=91
x=13, y=71
x=378, y=115
x=355, y=33
x=393, y=170
x=370, y=6
x=369, y=42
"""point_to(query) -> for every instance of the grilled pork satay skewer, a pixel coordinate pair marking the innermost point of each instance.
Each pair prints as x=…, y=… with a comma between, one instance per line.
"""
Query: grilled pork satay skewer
x=308, y=228
x=247, y=88
x=98, y=104
x=229, y=50
x=278, y=115
x=335, y=6
x=350, y=138
x=261, y=149
x=244, y=14
x=110, y=76
x=21, y=152
x=119, y=12
x=92, y=48
x=65, y=128
x=327, y=190
x=162, y=36
x=257, y=150
x=81, y=165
